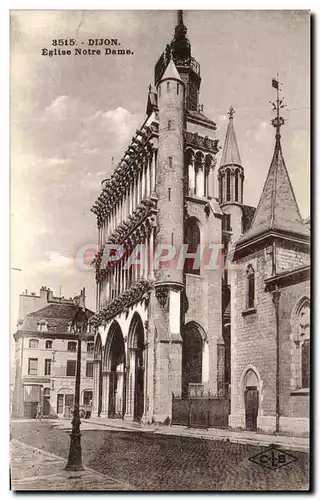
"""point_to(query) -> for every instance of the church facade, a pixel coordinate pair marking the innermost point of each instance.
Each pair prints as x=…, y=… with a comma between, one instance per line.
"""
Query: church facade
x=172, y=269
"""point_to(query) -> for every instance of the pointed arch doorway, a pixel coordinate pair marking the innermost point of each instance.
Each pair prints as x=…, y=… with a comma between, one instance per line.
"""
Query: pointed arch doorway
x=251, y=399
x=192, y=356
x=116, y=374
x=137, y=368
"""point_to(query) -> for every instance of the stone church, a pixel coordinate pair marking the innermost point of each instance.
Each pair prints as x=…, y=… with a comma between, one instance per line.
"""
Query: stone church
x=236, y=332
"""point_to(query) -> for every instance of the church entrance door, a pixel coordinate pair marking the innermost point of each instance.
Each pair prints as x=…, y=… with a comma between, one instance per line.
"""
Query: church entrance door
x=251, y=397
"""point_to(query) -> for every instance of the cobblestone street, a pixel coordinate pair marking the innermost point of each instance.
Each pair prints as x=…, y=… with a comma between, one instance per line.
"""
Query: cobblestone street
x=33, y=469
x=146, y=461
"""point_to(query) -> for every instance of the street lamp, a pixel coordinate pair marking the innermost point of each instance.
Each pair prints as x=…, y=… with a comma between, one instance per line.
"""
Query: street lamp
x=75, y=452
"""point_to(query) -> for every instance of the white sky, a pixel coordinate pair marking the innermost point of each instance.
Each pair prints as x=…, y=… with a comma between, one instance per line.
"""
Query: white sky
x=70, y=116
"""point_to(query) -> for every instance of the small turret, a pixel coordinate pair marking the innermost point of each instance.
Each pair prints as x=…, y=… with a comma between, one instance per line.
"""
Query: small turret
x=170, y=164
x=231, y=178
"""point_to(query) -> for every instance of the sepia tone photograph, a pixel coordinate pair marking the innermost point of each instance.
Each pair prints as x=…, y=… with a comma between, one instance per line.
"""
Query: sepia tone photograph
x=160, y=250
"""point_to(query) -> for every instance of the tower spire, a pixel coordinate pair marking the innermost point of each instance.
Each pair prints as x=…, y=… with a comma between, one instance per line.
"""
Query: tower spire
x=277, y=209
x=231, y=112
x=230, y=153
x=180, y=30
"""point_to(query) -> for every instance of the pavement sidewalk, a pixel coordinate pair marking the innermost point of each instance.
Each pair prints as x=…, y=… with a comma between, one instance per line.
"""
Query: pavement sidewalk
x=242, y=437
x=33, y=469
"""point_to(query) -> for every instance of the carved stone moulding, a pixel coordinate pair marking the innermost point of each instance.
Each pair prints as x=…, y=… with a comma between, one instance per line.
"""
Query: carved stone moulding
x=205, y=143
x=162, y=291
x=162, y=295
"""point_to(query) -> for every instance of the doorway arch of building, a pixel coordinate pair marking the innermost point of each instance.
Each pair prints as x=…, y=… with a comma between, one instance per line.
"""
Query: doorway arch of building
x=194, y=339
x=251, y=388
x=136, y=355
x=115, y=367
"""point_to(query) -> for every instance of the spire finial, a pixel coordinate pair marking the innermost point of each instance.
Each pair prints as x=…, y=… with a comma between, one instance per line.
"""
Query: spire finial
x=278, y=121
x=231, y=112
x=180, y=30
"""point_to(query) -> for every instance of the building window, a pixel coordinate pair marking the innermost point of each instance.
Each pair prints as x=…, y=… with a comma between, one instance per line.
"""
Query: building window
x=250, y=287
x=87, y=397
x=71, y=368
x=72, y=346
x=220, y=190
x=177, y=88
x=60, y=400
x=192, y=239
x=168, y=86
x=90, y=346
x=236, y=185
x=33, y=343
x=169, y=194
x=32, y=366
x=170, y=161
x=169, y=124
x=47, y=366
x=43, y=326
x=301, y=353
x=46, y=401
x=226, y=222
x=49, y=344
x=228, y=185
x=89, y=369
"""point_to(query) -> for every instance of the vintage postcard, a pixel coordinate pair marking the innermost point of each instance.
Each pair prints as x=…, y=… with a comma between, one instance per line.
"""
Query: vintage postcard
x=160, y=269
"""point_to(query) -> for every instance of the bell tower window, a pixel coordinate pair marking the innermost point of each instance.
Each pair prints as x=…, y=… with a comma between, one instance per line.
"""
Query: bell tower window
x=236, y=186
x=228, y=185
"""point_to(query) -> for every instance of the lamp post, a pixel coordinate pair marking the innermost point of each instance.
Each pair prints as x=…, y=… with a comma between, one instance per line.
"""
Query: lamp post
x=75, y=452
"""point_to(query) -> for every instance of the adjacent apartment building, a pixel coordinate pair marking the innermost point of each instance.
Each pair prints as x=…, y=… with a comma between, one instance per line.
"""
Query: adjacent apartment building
x=46, y=351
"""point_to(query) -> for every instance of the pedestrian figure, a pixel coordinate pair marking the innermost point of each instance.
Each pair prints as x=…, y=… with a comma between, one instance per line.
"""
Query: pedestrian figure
x=39, y=411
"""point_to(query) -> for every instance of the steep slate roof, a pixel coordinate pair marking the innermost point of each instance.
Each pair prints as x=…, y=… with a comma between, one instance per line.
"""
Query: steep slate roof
x=277, y=209
x=230, y=153
x=248, y=215
x=152, y=102
x=197, y=115
x=58, y=316
x=171, y=72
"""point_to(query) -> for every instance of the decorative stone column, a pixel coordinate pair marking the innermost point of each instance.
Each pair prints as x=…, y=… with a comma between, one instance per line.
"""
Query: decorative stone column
x=96, y=382
x=105, y=395
x=205, y=362
x=191, y=177
x=153, y=190
x=211, y=182
x=119, y=393
x=147, y=178
x=200, y=180
x=151, y=254
x=220, y=367
x=130, y=371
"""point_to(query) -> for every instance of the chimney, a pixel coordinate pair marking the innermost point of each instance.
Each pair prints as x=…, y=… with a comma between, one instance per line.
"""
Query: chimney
x=44, y=293
x=76, y=300
x=50, y=294
x=82, y=302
